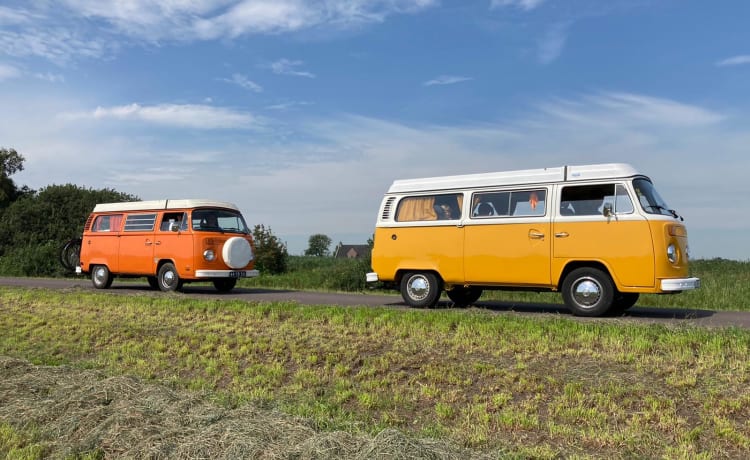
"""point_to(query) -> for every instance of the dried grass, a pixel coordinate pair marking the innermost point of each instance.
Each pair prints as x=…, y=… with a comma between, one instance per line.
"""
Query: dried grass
x=78, y=411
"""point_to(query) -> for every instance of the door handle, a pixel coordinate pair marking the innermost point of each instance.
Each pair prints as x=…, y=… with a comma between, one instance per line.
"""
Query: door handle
x=157, y=243
x=148, y=243
x=534, y=235
x=562, y=235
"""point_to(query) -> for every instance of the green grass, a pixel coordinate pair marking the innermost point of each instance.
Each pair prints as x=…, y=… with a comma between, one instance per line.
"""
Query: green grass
x=534, y=386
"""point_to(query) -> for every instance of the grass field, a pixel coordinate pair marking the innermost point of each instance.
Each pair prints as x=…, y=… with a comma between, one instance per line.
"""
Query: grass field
x=502, y=386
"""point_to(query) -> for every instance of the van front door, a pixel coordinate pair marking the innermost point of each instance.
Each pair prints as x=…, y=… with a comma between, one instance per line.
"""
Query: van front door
x=137, y=244
x=617, y=236
x=173, y=241
x=507, y=238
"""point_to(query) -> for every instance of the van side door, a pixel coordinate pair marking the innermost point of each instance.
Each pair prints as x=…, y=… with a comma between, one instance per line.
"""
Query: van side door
x=598, y=222
x=137, y=244
x=508, y=238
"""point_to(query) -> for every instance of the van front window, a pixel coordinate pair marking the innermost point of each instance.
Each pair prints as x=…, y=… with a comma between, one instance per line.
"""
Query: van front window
x=650, y=200
x=218, y=220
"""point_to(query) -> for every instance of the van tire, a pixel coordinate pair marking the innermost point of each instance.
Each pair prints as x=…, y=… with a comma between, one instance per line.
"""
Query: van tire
x=588, y=291
x=225, y=284
x=623, y=301
x=101, y=277
x=464, y=296
x=168, y=278
x=420, y=289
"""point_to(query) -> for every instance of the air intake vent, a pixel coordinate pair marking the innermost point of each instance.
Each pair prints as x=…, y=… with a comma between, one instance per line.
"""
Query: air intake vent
x=387, y=208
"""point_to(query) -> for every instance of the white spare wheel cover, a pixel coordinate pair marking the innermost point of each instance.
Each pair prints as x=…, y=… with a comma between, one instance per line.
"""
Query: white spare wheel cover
x=237, y=252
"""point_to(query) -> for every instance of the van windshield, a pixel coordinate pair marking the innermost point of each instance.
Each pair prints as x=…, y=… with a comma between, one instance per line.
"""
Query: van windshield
x=218, y=220
x=650, y=200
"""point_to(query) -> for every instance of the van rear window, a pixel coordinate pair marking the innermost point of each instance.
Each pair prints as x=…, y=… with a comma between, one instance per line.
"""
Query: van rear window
x=140, y=222
x=430, y=207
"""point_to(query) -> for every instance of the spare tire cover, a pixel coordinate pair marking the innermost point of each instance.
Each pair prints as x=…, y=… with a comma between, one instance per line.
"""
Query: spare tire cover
x=237, y=252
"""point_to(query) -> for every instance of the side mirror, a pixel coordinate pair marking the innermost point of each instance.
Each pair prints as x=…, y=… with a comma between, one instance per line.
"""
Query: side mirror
x=174, y=226
x=607, y=211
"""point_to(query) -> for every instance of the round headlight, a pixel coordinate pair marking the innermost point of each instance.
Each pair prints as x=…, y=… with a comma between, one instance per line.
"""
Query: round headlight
x=672, y=253
x=209, y=255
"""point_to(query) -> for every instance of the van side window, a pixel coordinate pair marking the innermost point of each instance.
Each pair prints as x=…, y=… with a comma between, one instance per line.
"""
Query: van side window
x=140, y=222
x=589, y=200
x=178, y=217
x=110, y=223
x=430, y=207
x=528, y=202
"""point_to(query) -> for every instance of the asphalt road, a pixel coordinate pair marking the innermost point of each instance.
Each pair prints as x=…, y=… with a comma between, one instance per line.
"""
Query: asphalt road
x=703, y=318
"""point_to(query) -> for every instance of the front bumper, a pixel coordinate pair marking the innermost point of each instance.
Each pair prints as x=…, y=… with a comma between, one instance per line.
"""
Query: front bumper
x=371, y=277
x=680, y=284
x=226, y=273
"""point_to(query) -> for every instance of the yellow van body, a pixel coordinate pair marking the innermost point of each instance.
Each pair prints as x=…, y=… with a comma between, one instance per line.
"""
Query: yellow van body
x=599, y=234
x=170, y=242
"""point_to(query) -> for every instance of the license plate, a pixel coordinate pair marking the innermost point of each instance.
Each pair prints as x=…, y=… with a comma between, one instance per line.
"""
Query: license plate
x=238, y=274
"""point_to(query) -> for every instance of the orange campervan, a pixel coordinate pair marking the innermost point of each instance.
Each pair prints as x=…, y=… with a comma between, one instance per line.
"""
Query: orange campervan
x=170, y=242
x=599, y=234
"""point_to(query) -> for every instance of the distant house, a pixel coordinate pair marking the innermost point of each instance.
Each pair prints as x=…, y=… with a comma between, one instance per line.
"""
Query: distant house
x=351, y=251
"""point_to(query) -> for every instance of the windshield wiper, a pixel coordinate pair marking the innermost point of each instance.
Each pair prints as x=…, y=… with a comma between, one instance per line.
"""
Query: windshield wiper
x=672, y=212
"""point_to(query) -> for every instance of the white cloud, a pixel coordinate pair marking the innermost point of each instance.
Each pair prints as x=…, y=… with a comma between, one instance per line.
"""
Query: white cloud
x=288, y=67
x=61, y=31
x=8, y=71
x=735, y=60
x=446, y=80
x=630, y=110
x=243, y=82
x=176, y=115
x=329, y=175
x=552, y=43
x=526, y=5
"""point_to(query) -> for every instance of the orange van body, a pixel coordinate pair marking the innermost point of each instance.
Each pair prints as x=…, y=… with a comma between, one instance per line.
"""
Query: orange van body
x=170, y=242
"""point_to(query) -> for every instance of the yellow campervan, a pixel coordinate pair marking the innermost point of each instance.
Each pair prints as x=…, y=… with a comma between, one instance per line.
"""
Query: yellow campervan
x=599, y=234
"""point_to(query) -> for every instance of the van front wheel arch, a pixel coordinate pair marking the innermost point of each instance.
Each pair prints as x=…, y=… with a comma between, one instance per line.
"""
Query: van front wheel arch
x=588, y=291
x=168, y=278
x=421, y=289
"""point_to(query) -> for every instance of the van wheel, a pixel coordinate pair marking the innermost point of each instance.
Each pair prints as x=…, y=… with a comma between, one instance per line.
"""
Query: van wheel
x=168, y=278
x=420, y=289
x=153, y=282
x=588, y=292
x=101, y=277
x=464, y=296
x=225, y=284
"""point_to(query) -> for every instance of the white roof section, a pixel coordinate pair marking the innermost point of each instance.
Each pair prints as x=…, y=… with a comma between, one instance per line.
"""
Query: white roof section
x=156, y=205
x=519, y=177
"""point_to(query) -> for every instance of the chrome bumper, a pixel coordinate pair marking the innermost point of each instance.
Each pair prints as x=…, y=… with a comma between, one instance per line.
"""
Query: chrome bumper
x=680, y=284
x=371, y=277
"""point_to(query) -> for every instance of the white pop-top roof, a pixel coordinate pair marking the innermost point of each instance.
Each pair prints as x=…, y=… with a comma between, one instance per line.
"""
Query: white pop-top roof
x=155, y=205
x=526, y=176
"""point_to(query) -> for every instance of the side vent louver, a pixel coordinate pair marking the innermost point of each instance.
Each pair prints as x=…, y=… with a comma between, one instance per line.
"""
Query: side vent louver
x=387, y=208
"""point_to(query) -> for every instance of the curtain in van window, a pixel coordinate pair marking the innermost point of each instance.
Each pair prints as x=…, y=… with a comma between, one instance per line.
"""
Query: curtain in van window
x=416, y=208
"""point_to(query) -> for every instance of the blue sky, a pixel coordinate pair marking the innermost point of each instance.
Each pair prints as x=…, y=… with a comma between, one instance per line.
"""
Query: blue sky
x=304, y=111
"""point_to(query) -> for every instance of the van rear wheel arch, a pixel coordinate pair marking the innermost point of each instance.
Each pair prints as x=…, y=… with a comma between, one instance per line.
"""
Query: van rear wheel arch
x=420, y=288
x=101, y=277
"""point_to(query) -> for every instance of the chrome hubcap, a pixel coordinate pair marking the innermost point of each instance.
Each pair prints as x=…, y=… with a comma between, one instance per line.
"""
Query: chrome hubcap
x=418, y=287
x=587, y=292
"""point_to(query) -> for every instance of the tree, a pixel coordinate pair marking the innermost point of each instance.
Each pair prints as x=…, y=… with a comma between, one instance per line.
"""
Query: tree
x=11, y=162
x=318, y=245
x=270, y=252
x=34, y=227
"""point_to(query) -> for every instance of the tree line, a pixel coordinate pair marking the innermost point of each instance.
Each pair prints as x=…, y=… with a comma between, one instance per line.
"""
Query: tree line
x=36, y=224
